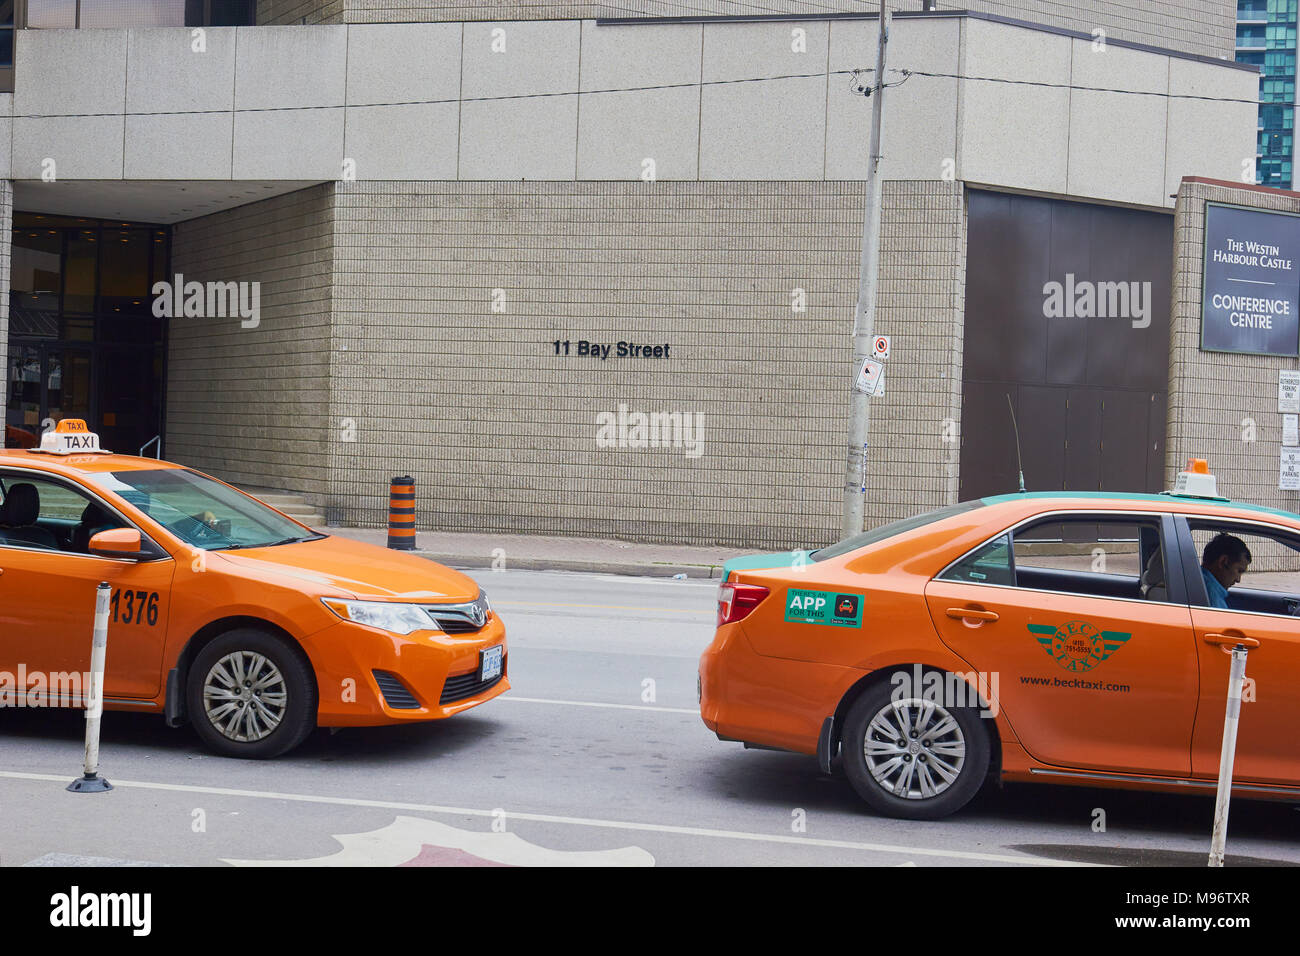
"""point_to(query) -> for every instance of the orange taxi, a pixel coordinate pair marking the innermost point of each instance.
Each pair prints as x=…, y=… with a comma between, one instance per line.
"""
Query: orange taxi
x=1064, y=637
x=224, y=612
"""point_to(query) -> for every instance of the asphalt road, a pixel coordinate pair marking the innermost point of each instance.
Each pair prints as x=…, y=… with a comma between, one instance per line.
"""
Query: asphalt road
x=597, y=755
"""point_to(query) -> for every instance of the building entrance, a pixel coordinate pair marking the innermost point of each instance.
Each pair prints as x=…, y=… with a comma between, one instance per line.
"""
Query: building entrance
x=83, y=340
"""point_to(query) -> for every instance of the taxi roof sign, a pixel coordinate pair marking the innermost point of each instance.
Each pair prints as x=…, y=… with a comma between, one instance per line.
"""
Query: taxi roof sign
x=1196, y=481
x=70, y=437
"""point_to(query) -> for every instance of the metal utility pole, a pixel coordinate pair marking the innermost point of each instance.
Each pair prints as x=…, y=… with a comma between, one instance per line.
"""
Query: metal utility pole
x=865, y=317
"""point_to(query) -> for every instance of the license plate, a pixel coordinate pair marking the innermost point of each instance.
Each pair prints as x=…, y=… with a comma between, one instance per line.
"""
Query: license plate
x=490, y=663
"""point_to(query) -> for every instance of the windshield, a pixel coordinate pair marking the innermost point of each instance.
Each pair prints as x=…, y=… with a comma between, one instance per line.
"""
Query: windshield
x=893, y=528
x=201, y=512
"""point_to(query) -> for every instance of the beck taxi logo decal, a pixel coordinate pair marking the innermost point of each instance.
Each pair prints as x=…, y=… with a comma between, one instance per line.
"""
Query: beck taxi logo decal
x=1077, y=645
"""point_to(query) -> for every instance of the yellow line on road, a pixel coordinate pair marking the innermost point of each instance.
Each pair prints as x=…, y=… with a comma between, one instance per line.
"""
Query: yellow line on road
x=592, y=703
x=600, y=607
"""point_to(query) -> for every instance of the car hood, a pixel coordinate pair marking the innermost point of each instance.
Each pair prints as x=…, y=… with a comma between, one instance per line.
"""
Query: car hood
x=360, y=570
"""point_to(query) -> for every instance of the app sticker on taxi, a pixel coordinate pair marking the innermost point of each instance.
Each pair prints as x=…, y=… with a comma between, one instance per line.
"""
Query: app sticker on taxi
x=823, y=607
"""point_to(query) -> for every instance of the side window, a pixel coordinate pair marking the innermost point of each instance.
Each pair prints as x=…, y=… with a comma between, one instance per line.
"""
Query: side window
x=990, y=564
x=1256, y=568
x=1098, y=556
x=38, y=513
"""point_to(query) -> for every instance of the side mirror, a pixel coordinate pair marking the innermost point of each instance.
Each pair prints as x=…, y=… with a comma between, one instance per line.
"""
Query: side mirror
x=117, y=543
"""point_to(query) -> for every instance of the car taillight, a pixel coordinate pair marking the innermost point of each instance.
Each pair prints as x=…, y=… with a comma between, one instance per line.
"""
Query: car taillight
x=737, y=600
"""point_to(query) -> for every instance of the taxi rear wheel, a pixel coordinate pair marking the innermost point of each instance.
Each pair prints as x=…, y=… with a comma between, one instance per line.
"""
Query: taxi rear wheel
x=911, y=757
x=251, y=694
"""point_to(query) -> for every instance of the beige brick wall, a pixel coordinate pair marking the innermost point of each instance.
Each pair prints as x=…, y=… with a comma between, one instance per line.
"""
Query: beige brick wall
x=6, y=253
x=285, y=12
x=1204, y=27
x=502, y=432
x=420, y=11
x=1213, y=396
x=916, y=428
x=379, y=353
x=250, y=405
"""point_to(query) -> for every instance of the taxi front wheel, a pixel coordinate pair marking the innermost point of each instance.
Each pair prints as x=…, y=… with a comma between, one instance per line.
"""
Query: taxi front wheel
x=251, y=694
x=914, y=757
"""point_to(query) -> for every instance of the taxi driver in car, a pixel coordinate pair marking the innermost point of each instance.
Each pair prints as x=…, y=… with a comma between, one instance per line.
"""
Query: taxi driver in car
x=1223, y=562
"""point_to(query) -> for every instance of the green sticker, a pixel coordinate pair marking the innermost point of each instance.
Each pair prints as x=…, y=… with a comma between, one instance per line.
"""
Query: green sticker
x=823, y=607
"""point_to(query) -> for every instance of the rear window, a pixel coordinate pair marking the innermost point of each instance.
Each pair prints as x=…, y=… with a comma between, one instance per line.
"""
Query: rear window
x=893, y=528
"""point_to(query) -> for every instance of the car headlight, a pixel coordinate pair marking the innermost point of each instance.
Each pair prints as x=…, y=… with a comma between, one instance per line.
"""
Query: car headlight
x=397, y=618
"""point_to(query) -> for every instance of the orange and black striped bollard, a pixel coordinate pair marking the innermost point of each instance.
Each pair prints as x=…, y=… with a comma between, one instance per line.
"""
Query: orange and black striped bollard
x=401, y=514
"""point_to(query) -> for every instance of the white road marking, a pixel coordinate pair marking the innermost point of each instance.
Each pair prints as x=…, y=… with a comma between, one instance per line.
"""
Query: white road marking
x=568, y=821
x=74, y=859
x=593, y=703
x=405, y=839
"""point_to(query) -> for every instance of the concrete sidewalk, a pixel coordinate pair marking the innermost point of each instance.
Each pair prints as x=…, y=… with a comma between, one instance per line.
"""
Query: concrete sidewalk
x=536, y=553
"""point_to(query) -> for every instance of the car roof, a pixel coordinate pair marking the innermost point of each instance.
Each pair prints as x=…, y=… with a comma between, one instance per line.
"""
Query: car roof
x=1166, y=501
x=78, y=464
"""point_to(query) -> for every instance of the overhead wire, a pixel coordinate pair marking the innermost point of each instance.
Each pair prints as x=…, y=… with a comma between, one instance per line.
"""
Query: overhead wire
x=906, y=73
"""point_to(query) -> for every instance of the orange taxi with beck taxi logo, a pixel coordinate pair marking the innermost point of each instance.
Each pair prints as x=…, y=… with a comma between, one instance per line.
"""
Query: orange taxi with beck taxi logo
x=224, y=612
x=1063, y=637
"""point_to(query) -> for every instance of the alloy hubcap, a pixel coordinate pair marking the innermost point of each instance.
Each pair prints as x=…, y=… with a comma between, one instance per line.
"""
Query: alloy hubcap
x=914, y=749
x=245, y=696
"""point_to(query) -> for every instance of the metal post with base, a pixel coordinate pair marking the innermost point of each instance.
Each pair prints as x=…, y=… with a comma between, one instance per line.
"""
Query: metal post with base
x=1236, y=677
x=91, y=781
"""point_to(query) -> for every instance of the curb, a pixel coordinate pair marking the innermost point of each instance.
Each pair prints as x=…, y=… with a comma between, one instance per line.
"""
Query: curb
x=632, y=568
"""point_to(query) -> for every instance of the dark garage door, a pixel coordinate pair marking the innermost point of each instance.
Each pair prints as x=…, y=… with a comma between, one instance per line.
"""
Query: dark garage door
x=1089, y=392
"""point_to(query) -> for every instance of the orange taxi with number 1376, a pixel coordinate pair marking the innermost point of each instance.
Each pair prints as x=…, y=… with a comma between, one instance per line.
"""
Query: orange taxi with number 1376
x=224, y=612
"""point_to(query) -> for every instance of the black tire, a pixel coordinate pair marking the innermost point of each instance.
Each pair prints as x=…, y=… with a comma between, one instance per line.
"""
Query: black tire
x=971, y=731
x=262, y=737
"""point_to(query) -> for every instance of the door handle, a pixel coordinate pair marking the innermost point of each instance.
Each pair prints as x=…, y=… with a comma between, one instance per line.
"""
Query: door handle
x=967, y=613
x=1231, y=640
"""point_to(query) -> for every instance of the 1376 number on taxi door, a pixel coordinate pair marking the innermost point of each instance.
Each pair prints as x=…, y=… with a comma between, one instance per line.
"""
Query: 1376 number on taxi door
x=135, y=607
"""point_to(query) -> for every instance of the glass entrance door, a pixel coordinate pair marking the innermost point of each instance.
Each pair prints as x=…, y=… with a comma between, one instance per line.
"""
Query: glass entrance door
x=23, y=396
x=83, y=339
x=67, y=384
x=46, y=383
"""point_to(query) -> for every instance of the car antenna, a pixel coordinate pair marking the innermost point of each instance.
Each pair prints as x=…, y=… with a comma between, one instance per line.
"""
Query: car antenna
x=1016, y=429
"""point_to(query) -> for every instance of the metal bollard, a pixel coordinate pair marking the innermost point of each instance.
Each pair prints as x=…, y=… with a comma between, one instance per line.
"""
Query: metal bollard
x=401, y=514
x=1236, y=677
x=91, y=781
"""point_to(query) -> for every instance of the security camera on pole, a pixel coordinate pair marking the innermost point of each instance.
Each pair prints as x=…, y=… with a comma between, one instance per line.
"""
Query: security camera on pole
x=867, y=373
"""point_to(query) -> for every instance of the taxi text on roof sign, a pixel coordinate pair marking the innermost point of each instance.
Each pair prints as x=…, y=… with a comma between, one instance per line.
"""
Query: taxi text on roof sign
x=71, y=437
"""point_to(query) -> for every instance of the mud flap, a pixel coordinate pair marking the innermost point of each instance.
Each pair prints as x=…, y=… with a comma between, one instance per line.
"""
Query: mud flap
x=826, y=747
x=174, y=708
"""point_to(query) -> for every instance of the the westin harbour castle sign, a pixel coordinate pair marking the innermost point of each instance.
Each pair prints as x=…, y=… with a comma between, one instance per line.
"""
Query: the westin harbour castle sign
x=1251, y=299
